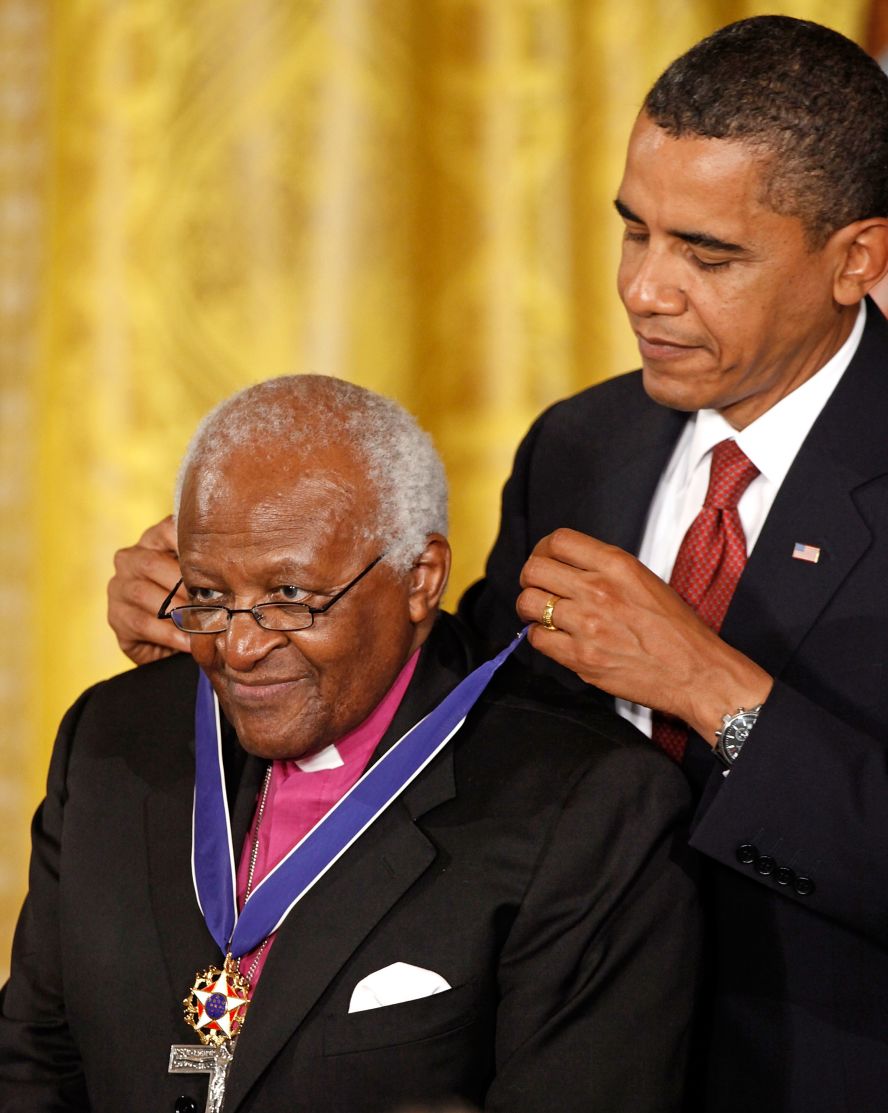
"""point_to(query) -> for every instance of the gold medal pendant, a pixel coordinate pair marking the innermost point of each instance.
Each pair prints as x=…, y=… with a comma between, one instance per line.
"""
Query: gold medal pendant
x=216, y=1004
x=215, y=1008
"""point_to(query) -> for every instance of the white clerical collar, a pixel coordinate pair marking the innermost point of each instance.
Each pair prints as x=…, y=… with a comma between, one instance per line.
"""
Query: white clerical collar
x=773, y=440
x=328, y=758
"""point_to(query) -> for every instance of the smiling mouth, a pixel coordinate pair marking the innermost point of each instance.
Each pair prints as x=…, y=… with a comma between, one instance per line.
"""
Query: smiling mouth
x=659, y=348
x=252, y=693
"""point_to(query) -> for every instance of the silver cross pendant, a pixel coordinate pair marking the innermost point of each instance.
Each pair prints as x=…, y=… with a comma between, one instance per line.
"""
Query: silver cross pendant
x=189, y=1058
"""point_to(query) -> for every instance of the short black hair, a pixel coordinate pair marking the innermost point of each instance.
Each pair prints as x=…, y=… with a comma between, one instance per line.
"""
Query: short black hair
x=810, y=100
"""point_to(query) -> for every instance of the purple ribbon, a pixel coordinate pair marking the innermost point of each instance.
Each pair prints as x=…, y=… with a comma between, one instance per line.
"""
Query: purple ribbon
x=270, y=902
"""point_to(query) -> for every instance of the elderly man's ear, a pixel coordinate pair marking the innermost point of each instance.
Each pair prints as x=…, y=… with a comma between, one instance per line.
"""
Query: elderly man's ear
x=428, y=578
x=863, y=259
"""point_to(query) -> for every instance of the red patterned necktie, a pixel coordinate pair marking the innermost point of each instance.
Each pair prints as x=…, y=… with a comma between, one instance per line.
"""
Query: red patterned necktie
x=710, y=562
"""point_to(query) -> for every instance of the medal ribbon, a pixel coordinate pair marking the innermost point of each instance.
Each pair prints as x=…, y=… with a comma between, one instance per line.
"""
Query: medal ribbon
x=271, y=901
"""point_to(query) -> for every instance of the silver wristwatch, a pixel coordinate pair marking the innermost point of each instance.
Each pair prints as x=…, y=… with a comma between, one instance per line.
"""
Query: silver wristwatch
x=734, y=731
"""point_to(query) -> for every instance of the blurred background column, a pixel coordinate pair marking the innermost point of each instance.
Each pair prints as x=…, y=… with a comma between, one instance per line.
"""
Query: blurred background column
x=24, y=217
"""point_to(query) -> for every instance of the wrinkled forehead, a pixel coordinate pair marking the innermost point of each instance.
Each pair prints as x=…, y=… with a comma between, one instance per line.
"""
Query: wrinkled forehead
x=268, y=493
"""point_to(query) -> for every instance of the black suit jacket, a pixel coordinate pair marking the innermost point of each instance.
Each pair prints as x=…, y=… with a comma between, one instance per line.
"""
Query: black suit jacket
x=800, y=974
x=531, y=865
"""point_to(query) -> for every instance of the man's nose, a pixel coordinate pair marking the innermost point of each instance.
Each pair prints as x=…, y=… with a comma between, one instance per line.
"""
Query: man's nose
x=651, y=284
x=245, y=642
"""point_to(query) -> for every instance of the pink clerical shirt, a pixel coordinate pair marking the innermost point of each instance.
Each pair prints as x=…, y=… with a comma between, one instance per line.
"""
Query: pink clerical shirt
x=302, y=792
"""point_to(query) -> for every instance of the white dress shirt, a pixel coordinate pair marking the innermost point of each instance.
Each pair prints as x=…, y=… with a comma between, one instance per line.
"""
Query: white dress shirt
x=771, y=442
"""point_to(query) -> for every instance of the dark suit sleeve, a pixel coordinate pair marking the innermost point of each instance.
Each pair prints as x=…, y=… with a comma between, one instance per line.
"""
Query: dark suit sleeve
x=808, y=796
x=40, y=1068
x=598, y=975
x=488, y=606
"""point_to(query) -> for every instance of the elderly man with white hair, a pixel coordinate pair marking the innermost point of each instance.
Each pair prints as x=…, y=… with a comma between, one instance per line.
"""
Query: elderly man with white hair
x=345, y=864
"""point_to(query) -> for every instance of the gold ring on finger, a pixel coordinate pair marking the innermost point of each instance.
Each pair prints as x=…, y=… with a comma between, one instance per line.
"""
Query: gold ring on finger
x=548, y=611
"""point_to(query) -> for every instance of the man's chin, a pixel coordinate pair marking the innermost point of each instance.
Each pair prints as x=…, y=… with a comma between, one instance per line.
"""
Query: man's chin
x=672, y=390
x=273, y=747
x=276, y=734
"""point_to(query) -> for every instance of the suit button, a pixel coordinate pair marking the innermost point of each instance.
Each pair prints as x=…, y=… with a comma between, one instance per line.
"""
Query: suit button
x=765, y=865
x=804, y=886
x=783, y=875
x=746, y=854
x=185, y=1104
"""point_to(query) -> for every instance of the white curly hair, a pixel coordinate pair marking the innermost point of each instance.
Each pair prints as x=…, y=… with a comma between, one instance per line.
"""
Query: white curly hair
x=313, y=411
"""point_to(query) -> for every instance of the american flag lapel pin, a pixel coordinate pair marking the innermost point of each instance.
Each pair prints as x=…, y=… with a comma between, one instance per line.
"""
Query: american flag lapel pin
x=809, y=553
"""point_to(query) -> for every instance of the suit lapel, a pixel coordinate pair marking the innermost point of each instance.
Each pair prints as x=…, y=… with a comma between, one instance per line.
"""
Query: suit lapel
x=820, y=503
x=779, y=598
x=618, y=507
x=329, y=924
x=244, y=789
x=185, y=943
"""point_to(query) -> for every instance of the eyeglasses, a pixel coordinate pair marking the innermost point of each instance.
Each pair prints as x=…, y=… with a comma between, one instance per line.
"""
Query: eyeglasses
x=199, y=619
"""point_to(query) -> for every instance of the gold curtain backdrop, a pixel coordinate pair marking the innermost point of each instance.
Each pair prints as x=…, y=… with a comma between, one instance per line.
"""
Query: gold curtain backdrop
x=413, y=195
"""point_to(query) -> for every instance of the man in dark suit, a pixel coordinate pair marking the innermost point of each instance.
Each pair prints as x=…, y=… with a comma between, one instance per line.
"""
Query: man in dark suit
x=755, y=199
x=515, y=929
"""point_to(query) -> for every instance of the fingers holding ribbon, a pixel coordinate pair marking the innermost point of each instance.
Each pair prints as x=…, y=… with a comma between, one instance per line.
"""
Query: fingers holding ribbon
x=549, y=587
x=567, y=596
x=599, y=612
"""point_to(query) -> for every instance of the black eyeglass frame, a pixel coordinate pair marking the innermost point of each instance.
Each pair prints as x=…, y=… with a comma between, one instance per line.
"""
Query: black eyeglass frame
x=258, y=609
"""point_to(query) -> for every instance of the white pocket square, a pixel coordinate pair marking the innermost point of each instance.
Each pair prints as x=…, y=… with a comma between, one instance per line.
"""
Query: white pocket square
x=394, y=984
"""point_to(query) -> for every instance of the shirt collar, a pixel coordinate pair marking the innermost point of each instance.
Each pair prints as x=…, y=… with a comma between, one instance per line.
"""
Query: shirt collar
x=773, y=440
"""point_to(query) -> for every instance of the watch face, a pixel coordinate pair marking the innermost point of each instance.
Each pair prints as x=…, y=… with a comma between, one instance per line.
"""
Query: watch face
x=736, y=733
